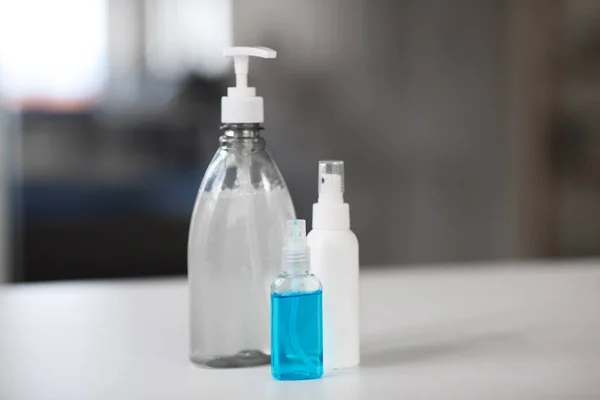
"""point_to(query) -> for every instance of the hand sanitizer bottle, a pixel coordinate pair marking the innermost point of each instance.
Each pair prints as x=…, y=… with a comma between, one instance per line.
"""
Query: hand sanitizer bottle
x=296, y=314
x=236, y=234
x=334, y=258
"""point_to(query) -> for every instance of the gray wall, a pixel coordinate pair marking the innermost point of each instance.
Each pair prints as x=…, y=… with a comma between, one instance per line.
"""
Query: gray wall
x=411, y=95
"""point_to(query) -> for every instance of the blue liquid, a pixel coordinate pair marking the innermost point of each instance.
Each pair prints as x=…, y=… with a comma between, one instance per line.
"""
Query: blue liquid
x=296, y=336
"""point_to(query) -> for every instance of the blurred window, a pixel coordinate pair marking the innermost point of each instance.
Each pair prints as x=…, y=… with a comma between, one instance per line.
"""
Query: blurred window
x=53, y=54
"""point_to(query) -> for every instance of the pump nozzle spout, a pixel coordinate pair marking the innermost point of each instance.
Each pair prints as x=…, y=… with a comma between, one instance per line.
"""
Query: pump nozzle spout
x=241, y=59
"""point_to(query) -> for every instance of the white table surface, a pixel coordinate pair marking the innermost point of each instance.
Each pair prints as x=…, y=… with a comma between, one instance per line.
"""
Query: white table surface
x=512, y=331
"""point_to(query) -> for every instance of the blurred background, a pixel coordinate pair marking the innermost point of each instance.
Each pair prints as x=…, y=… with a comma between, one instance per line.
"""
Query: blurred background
x=470, y=129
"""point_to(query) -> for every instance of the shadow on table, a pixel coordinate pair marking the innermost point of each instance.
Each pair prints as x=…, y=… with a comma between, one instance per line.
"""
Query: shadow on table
x=423, y=345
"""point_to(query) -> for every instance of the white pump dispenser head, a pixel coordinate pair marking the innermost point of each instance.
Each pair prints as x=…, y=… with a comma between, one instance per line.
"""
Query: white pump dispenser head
x=242, y=105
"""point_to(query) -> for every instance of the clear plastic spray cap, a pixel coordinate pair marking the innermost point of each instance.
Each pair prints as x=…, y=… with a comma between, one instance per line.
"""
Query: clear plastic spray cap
x=296, y=252
x=331, y=181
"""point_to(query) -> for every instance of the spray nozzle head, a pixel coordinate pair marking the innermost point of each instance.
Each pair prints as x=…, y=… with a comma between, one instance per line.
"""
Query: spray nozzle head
x=296, y=252
x=241, y=105
x=295, y=234
x=331, y=181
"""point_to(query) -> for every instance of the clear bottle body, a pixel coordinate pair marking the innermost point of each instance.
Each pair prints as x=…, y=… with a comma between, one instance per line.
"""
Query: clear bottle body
x=234, y=248
x=296, y=326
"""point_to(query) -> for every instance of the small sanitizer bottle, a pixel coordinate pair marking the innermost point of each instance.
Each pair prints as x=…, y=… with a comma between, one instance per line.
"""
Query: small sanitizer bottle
x=296, y=312
x=334, y=258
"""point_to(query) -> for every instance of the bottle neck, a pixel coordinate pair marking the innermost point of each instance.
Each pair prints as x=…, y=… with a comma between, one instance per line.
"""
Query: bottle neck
x=296, y=272
x=295, y=261
x=331, y=216
x=242, y=136
x=241, y=130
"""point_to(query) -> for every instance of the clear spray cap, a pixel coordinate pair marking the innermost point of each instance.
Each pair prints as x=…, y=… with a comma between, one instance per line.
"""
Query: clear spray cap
x=296, y=252
x=331, y=181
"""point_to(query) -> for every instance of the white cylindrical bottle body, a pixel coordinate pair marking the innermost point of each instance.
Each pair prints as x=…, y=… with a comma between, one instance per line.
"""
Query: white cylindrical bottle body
x=334, y=260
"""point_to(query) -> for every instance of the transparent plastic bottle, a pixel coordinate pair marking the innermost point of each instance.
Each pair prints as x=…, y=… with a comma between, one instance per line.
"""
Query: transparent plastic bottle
x=234, y=250
x=296, y=312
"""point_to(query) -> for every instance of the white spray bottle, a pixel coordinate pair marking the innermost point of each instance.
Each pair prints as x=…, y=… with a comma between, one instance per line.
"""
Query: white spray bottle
x=334, y=259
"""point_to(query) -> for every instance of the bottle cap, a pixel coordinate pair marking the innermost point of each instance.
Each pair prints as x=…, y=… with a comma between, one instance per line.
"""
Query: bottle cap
x=331, y=181
x=296, y=252
x=242, y=105
x=330, y=211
